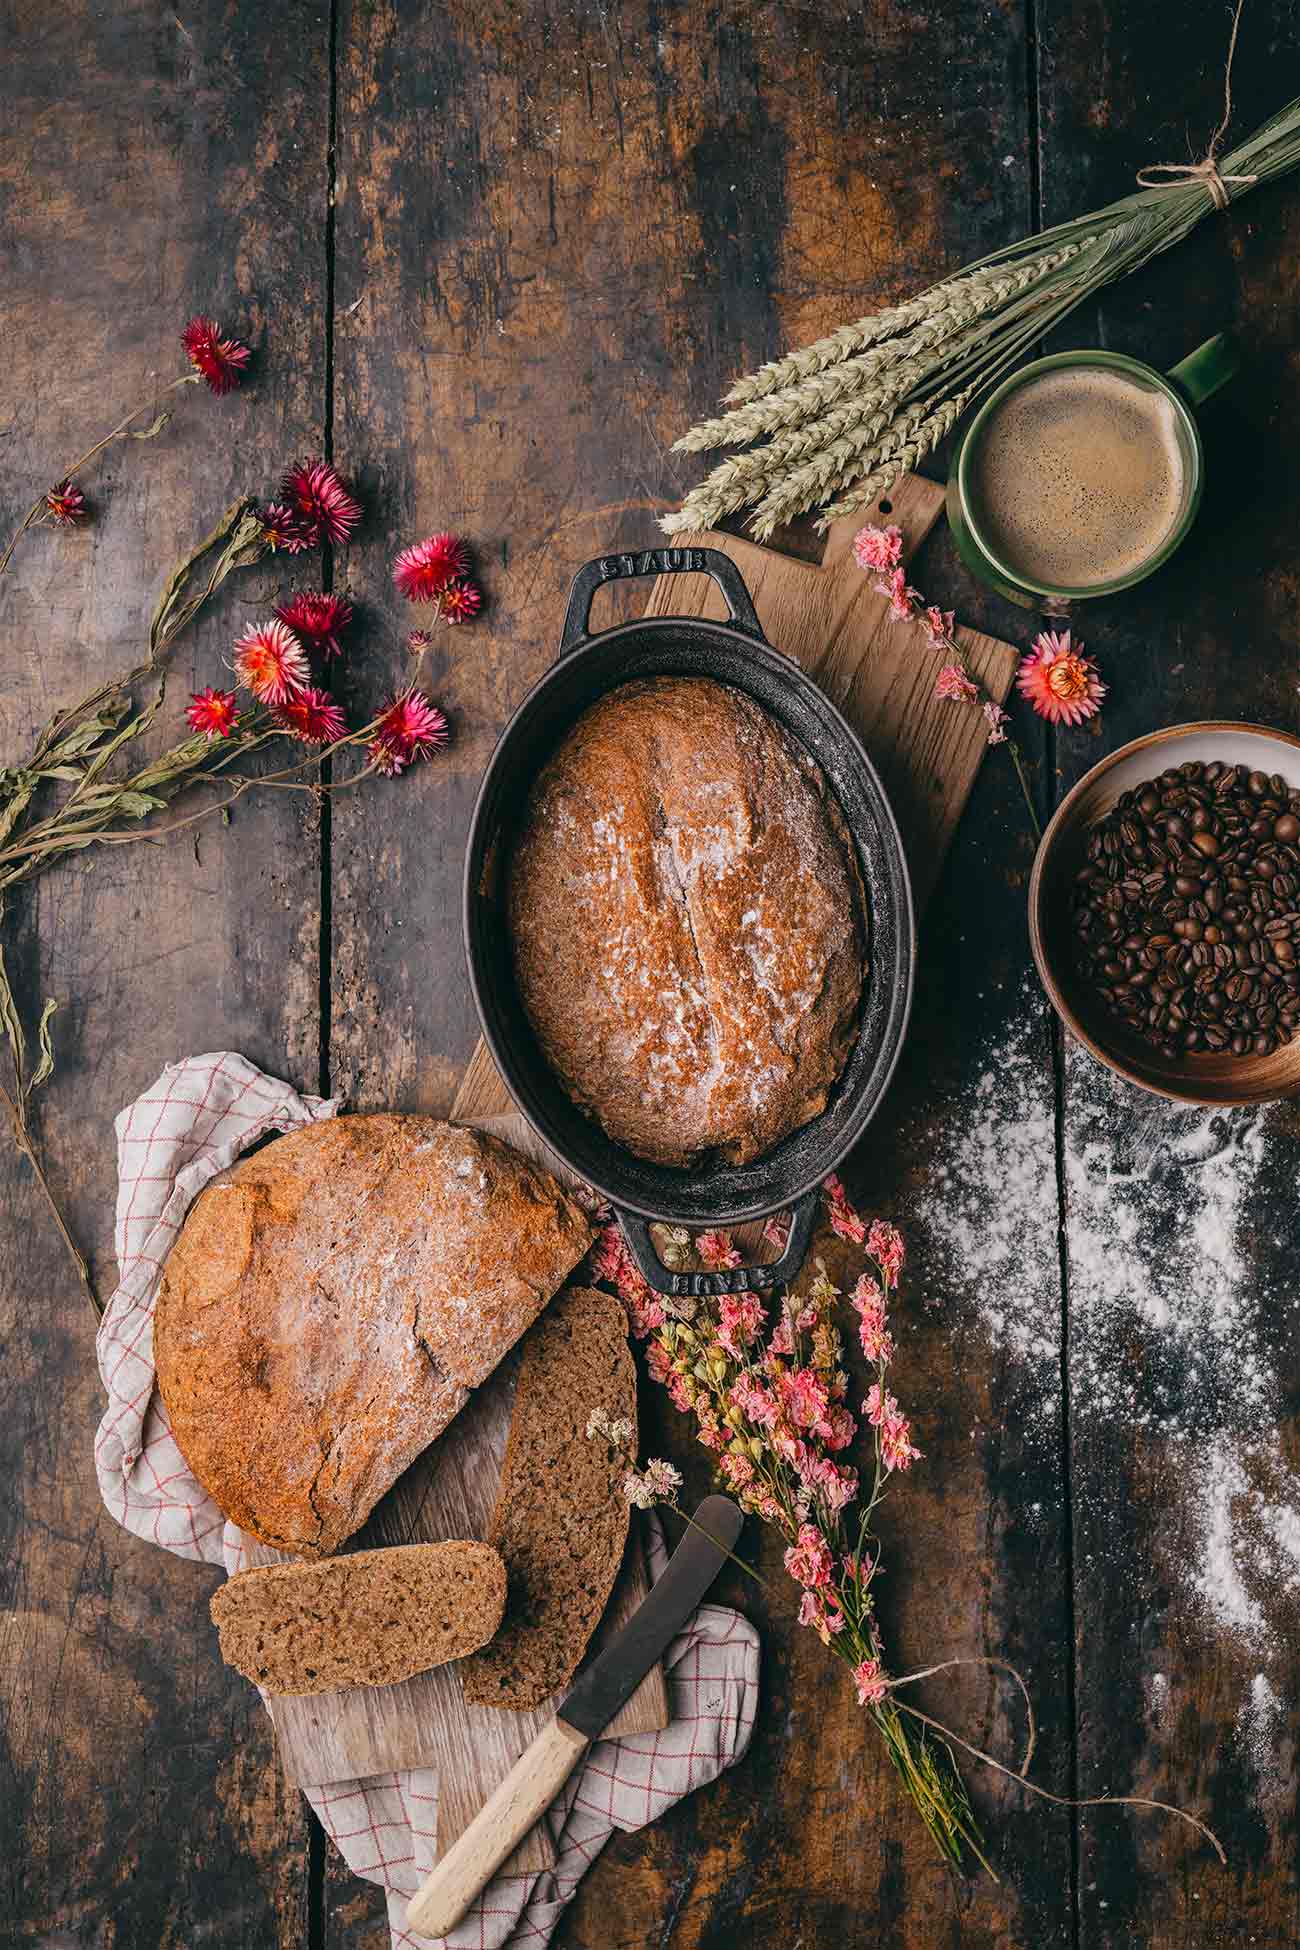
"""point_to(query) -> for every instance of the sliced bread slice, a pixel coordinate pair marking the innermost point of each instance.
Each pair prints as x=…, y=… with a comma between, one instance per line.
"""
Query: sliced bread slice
x=561, y=1517
x=369, y=1618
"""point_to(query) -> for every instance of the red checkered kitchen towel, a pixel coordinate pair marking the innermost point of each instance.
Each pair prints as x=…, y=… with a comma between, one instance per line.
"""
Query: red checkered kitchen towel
x=193, y=1122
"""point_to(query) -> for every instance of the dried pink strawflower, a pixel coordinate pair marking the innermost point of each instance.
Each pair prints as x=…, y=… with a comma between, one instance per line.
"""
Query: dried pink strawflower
x=312, y=716
x=953, y=685
x=213, y=713
x=218, y=359
x=65, y=505
x=461, y=601
x=427, y=569
x=410, y=727
x=879, y=549
x=1061, y=683
x=270, y=662
x=317, y=620
x=320, y=500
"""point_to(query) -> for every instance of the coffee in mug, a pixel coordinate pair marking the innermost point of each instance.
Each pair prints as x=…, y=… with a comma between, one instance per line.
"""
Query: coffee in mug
x=1080, y=476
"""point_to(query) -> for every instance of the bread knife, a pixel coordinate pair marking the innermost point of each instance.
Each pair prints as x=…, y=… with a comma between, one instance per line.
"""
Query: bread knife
x=606, y=1686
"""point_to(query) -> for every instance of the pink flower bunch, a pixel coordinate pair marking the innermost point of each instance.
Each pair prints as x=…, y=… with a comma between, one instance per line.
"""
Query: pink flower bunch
x=771, y=1402
x=879, y=551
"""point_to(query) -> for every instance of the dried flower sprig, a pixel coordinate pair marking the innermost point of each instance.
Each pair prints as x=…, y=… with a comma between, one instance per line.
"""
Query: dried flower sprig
x=80, y=749
x=771, y=1400
x=845, y=416
x=770, y=1397
x=878, y=551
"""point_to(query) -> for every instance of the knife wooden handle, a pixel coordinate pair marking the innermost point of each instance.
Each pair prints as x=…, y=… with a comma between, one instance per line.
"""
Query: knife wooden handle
x=499, y=1826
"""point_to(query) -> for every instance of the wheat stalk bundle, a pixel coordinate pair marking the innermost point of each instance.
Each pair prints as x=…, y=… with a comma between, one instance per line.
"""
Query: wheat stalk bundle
x=832, y=426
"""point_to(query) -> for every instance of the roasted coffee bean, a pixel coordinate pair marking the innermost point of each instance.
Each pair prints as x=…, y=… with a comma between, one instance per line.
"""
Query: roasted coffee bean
x=1286, y=827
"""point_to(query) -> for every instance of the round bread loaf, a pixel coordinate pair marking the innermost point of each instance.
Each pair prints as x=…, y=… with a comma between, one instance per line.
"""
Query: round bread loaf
x=689, y=923
x=332, y=1300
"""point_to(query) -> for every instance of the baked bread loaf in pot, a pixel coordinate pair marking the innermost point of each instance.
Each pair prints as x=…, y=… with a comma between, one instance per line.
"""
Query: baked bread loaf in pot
x=678, y=703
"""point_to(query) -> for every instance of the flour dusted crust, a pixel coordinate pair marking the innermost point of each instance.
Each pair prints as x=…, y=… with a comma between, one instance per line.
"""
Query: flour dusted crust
x=332, y=1300
x=689, y=923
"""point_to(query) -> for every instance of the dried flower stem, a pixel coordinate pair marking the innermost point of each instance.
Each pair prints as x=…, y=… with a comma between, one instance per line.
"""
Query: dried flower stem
x=122, y=431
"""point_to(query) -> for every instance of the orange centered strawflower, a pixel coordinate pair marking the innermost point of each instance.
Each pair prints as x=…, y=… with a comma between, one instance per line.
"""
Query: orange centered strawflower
x=1068, y=677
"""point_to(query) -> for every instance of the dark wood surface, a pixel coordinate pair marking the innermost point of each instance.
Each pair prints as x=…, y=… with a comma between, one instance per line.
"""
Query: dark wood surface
x=494, y=258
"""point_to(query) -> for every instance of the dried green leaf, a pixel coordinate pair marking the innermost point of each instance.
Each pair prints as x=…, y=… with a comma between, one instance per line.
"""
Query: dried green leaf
x=236, y=515
x=45, y=1068
x=134, y=805
x=13, y=1026
x=150, y=432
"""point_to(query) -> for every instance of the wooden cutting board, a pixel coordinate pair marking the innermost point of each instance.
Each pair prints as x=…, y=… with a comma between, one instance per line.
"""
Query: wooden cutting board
x=426, y=1721
x=881, y=675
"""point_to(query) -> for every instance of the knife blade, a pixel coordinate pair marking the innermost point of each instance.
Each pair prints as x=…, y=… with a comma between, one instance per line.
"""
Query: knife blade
x=606, y=1685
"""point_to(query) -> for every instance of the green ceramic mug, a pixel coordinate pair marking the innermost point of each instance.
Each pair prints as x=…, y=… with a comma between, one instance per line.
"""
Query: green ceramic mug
x=1189, y=383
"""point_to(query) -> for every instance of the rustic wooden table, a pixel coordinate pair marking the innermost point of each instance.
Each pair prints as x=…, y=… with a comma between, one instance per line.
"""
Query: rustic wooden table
x=494, y=257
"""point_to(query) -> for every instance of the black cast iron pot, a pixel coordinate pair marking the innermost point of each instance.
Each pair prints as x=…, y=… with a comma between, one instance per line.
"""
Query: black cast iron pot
x=734, y=653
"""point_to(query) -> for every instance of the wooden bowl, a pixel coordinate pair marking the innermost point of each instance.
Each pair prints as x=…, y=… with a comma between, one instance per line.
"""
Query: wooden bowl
x=1194, y=1078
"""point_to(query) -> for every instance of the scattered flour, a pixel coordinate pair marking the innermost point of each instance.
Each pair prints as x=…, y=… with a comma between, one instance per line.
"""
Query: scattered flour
x=1164, y=1222
x=1261, y=1726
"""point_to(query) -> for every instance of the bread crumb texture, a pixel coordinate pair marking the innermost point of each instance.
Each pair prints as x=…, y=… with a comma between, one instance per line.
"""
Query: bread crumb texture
x=561, y=1518
x=369, y=1618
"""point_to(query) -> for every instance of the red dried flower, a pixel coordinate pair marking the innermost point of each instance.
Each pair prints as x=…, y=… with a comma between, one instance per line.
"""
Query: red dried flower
x=410, y=727
x=461, y=601
x=427, y=568
x=213, y=713
x=317, y=620
x=273, y=664
x=313, y=716
x=66, y=504
x=281, y=529
x=220, y=360
x=319, y=498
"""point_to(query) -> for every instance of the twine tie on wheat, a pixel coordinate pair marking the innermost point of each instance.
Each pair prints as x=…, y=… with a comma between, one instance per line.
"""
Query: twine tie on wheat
x=1207, y=170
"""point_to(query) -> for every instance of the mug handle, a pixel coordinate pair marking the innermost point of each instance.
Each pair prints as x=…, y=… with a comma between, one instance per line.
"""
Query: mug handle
x=1202, y=372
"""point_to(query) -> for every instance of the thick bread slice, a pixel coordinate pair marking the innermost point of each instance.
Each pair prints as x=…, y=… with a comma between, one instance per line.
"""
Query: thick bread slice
x=368, y=1619
x=561, y=1517
x=331, y=1301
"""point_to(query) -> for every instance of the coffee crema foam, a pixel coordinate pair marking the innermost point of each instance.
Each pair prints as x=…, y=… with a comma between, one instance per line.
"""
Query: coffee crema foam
x=1079, y=477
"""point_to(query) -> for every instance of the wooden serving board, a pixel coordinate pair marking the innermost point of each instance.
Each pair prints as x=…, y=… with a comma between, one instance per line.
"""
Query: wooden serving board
x=449, y=1492
x=829, y=619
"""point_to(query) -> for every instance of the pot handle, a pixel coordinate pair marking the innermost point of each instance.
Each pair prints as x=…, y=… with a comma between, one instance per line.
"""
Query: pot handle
x=726, y=1279
x=656, y=562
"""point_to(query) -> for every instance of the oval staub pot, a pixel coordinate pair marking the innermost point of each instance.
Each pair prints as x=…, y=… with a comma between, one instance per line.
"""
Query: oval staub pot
x=734, y=653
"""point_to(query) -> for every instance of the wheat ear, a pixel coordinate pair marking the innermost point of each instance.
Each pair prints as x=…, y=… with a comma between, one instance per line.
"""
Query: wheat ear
x=817, y=392
x=882, y=477
x=747, y=477
x=894, y=319
x=797, y=489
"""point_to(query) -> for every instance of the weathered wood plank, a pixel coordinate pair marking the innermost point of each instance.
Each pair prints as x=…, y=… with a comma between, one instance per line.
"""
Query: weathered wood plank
x=153, y=165
x=1184, y=1362
x=568, y=229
